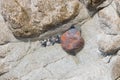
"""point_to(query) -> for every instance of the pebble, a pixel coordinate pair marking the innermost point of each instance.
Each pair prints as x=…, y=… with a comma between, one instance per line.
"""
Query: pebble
x=71, y=41
x=51, y=41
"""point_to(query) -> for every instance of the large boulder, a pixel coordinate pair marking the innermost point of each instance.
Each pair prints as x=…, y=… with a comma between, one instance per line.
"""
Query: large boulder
x=30, y=18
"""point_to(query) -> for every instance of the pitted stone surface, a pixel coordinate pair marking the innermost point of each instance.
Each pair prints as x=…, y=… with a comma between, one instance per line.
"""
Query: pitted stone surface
x=29, y=18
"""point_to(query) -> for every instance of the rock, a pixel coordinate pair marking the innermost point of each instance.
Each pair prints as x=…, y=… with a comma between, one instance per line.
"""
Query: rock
x=3, y=69
x=71, y=41
x=116, y=70
x=5, y=33
x=109, y=21
x=117, y=6
x=109, y=40
x=94, y=6
x=109, y=25
x=27, y=60
x=109, y=44
x=30, y=19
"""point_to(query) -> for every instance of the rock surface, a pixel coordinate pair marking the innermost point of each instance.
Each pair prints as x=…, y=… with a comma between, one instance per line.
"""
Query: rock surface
x=29, y=18
x=26, y=60
x=116, y=69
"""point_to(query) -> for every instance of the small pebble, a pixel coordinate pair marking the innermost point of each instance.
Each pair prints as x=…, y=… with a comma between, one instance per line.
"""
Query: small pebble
x=71, y=41
x=51, y=41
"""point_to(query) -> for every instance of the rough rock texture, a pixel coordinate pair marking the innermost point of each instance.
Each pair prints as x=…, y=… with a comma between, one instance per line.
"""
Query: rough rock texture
x=26, y=60
x=109, y=44
x=109, y=24
x=116, y=69
x=93, y=6
x=30, y=18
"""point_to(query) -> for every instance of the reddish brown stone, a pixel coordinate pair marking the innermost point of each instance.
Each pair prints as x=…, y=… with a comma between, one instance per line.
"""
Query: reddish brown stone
x=71, y=41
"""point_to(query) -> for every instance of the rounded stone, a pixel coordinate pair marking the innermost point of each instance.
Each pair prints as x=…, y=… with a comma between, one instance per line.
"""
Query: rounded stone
x=71, y=41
